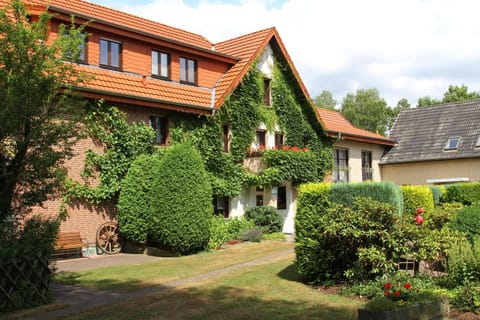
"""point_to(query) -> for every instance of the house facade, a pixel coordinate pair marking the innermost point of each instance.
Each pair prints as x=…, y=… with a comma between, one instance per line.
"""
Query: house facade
x=357, y=152
x=245, y=89
x=435, y=145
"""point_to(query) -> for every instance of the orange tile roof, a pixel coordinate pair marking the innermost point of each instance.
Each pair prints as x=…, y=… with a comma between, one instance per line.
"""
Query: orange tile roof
x=245, y=48
x=123, y=20
x=248, y=47
x=336, y=125
x=138, y=87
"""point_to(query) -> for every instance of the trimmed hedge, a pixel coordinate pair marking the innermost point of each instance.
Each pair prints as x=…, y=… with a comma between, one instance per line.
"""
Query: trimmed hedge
x=436, y=194
x=386, y=192
x=265, y=217
x=417, y=197
x=133, y=208
x=467, y=221
x=182, y=203
x=466, y=193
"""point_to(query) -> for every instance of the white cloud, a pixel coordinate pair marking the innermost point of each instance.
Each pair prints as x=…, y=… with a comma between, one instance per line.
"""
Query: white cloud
x=409, y=48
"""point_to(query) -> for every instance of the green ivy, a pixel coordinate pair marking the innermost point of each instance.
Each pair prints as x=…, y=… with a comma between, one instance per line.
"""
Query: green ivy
x=122, y=143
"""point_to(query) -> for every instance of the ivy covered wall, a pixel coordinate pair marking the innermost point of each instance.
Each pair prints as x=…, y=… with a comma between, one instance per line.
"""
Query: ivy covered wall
x=244, y=112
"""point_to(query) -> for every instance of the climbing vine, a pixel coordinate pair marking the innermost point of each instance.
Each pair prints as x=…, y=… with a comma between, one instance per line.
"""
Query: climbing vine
x=122, y=143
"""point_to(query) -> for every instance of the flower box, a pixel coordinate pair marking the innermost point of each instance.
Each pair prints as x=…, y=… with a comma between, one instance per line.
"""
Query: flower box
x=433, y=310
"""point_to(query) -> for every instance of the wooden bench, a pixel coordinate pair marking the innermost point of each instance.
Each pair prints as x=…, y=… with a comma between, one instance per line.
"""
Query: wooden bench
x=68, y=244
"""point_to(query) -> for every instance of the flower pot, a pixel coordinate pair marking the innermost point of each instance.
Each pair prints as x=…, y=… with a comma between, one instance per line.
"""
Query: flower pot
x=433, y=310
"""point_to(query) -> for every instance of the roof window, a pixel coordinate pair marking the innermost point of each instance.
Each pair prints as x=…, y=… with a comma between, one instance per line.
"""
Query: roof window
x=477, y=145
x=452, y=144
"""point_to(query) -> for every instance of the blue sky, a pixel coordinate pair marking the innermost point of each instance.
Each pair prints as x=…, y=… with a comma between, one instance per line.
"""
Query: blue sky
x=405, y=49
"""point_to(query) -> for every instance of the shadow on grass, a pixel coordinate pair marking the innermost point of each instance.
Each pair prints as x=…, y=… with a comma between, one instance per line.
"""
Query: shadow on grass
x=222, y=302
x=106, y=283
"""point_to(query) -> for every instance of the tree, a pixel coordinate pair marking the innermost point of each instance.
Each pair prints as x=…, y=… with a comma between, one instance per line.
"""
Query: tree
x=402, y=104
x=453, y=94
x=366, y=110
x=35, y=97
x=325, y=100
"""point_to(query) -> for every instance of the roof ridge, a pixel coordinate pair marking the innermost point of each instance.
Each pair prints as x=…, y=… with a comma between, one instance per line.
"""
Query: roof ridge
x=245, y=35
x=140, y=17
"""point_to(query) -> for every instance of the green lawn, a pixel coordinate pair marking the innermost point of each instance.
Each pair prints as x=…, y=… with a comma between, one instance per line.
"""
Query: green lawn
x=129, y=278
x=269, y=291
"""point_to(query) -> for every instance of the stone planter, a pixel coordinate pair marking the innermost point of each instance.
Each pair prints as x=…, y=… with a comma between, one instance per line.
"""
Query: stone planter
x=434, y=310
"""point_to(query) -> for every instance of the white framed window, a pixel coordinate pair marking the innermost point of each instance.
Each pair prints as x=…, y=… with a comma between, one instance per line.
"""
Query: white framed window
x=160, y=64
x=452, y=143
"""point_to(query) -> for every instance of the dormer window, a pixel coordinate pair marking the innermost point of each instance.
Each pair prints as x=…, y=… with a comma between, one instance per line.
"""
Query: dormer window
x=477, y=145
x=452, y=144
x=160, y=64
x=110, y=54
x=188, y=71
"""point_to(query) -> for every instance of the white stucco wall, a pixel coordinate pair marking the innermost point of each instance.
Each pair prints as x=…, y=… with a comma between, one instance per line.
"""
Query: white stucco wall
x=355, y=158
x=247, y=199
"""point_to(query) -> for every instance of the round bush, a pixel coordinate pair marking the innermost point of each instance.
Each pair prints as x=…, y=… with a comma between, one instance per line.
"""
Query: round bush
x=417, y=197
x=133, y=208
x=467, y=221
x=182, y=202
x=265, y=217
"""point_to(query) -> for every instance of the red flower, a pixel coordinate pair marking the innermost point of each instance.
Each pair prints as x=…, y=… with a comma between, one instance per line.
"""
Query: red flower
x=387, y=292
x=420, y=210
x=388, y=285
x=397, y=293
x=407, y=286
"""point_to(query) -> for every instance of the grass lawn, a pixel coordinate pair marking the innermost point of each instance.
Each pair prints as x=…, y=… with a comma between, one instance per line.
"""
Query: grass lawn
x=135, y=277
x=268, y=291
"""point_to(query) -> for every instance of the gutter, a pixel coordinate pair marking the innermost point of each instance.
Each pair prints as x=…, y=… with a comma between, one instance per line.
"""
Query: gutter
x=139, y=98
x=233, y=60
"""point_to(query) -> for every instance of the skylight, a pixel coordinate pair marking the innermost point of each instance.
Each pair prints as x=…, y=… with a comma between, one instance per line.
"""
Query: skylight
x=477, y=145
x=452, y=143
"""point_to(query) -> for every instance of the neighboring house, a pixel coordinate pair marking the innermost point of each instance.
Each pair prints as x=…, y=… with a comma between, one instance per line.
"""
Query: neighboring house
x=356, y=153
x=163, y=75
x=435, y=145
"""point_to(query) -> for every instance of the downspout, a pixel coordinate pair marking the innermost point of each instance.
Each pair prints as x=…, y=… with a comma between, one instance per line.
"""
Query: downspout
x=212, y=101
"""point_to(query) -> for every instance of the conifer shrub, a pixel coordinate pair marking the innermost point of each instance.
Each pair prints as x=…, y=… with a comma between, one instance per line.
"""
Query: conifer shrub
x=182, y=202
x=467, y=221
x=133, y=208
x=385, y=192
x=436, y=194
x=417, y=197
x=265, y=217
x=466, y=193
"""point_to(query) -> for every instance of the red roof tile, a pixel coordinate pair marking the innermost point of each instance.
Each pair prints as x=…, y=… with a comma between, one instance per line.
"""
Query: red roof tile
x=135, y=86
x=123, y=20
x=335, y=123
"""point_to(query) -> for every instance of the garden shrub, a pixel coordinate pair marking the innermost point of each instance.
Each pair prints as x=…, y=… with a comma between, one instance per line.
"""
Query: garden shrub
x=386, y=192
x=466, y=193
x=182, y=202
x=417, y=197
x=254, y=235
x=436, y=194
x=349, y=243
x=35, y=242
x=467, y=220
x=265, y=217
x=133, y=208
x=441, y=215
x=464, y=261
x=223, y=230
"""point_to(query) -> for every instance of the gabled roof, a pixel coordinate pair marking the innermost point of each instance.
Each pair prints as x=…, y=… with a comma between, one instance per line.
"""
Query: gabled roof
x=421, y=133
x=248, y=47
x=240, y=52
x=338, y=127
x=122, y=20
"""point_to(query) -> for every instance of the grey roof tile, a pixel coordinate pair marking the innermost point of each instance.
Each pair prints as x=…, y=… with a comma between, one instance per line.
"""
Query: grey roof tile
x=421, y=133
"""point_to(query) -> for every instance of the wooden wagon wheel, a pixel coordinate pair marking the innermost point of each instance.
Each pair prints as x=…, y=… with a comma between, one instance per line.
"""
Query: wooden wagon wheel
x=108, y=239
